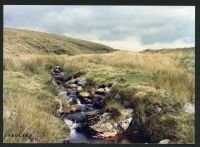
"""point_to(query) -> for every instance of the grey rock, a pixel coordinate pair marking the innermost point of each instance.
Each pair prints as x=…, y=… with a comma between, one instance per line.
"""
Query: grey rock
x=79, y=88
x=117, y=96
x=123, y=125
x=84, y=94
x=100, y=91
x=189, y=108
x=164, y=141
x=73, y=85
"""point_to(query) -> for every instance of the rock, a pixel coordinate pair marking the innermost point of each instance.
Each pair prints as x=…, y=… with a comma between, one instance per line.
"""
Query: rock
x=87, y=101
x=117, y=96
x=107, y=90
x=189, y=108
x=72, y=108
x=164, y=141
x=79, y=88
x=105, y=116
x=72, y=81
x=123, y=125
x=73, y=85
x=100, y=91
x=81, y=81
x=104, y=130
x=157, y=108
x=84, y=94
x=154, y=109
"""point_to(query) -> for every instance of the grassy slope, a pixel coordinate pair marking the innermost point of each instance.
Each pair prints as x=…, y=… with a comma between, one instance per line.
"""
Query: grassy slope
x=20, y=42
x=142, y=79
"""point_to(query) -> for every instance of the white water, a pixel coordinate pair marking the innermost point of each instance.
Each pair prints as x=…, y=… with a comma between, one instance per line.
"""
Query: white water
x=72, y=127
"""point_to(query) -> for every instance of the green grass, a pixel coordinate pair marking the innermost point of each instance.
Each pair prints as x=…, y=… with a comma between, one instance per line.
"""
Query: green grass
x=31, y=99
x=19, y=42
x=141, y=79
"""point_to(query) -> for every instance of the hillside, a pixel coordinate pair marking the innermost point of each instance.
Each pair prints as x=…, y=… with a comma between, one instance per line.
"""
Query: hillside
x=20, y=42
x=154, y=89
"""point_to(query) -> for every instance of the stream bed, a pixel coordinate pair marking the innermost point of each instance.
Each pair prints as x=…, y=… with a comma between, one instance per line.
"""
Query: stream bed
x=88, y=122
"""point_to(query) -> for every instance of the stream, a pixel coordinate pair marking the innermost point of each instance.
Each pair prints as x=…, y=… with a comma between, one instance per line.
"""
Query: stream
x=90, y=110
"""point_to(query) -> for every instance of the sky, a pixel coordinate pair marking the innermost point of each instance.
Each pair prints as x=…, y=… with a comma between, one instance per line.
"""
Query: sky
x=131, y=28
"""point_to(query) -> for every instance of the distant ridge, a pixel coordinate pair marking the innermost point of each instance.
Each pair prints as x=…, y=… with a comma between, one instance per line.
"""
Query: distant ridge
x=168, y=50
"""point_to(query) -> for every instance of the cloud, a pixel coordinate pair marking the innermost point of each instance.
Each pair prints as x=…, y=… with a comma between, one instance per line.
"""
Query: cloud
x=123, y=27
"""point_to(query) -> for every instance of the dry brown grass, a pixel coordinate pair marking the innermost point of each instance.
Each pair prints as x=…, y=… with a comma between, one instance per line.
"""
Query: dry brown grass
x=137, y=74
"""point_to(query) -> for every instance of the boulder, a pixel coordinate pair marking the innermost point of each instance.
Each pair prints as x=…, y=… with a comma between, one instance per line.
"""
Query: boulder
x=79, y=88
x=73, y=85
x=105, y=116
x=72, y=81
x=107, y=90
x=123, y=125
x=189, y=108
x=104, y=130
x=100, y=91
x=81, y=81
x=84, y=94
x=87, y=101
x=164, y=141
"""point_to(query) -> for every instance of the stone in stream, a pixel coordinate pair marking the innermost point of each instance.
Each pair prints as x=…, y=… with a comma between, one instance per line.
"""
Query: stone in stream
x=81, y=81
x=100, y=91
x=73, y=85
x=164, y=141
x=123, y=125
x=104, y=130
x=84, y=94
x=79, y=88
x=107, y=90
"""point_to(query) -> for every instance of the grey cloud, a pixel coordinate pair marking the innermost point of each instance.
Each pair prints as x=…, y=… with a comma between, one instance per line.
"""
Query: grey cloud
x=107, y=23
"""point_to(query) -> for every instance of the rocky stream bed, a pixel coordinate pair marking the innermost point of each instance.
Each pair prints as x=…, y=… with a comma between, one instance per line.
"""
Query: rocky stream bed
x=84, y=113
x=82, y=107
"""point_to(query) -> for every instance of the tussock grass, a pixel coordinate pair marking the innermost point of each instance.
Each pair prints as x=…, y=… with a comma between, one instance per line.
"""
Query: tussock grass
x=142, y=80
x=30, y=101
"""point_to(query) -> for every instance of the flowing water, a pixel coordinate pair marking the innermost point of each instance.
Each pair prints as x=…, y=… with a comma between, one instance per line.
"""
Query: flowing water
x=79, y=122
